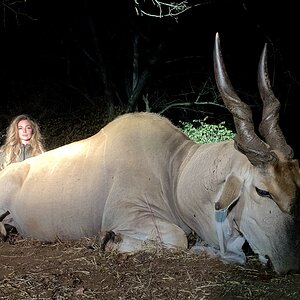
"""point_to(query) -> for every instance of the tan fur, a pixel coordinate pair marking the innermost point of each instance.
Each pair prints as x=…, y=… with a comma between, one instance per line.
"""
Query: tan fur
x=230, y=193
x=141, y=178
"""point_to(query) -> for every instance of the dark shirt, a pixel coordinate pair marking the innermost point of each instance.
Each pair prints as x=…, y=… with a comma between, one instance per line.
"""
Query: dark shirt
x=25, y=152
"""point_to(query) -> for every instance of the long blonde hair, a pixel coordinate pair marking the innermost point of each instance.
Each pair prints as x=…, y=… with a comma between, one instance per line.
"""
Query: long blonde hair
x=12, y=146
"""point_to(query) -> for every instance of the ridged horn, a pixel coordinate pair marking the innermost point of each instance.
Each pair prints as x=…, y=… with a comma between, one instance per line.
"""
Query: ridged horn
x=269, y=126
x=246, y=140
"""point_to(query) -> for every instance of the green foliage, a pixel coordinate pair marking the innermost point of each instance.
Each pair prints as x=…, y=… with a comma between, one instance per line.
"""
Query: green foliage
x=203, y=133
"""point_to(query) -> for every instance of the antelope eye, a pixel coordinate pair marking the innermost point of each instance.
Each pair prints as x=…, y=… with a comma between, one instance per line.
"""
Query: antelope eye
x=263, y=193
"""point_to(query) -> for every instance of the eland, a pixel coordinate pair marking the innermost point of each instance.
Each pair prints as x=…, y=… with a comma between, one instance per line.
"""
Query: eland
x=140, y=179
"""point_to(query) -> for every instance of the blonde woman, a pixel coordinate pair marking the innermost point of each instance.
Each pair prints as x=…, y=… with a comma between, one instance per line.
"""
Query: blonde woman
x=23, y=140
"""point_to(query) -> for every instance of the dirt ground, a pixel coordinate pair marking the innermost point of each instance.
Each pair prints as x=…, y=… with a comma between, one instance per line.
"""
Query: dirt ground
x=32, y=269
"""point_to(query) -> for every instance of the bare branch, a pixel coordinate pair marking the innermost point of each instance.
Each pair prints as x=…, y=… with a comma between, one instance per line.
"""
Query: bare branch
x=206, y=91
x=161, y=9
x=13, y=7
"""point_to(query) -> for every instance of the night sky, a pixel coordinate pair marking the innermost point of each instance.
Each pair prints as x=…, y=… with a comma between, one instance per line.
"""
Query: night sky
x=50, y=56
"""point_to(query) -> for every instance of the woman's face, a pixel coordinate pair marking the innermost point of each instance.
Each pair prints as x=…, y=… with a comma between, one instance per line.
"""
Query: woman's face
x=25, y=131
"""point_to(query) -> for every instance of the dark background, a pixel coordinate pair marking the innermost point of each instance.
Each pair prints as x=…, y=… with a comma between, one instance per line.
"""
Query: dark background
x=71, y=64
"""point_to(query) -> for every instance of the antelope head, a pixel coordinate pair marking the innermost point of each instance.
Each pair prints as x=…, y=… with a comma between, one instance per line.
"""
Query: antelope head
x=269, y=153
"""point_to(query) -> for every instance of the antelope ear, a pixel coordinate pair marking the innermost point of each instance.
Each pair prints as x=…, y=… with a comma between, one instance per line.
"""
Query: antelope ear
x=230, y=192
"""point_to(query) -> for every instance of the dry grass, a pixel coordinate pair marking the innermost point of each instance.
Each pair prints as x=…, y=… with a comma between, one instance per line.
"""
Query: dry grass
x=79, y=270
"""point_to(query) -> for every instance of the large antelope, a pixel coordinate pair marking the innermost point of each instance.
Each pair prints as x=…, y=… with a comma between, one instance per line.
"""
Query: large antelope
x=141, y=179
